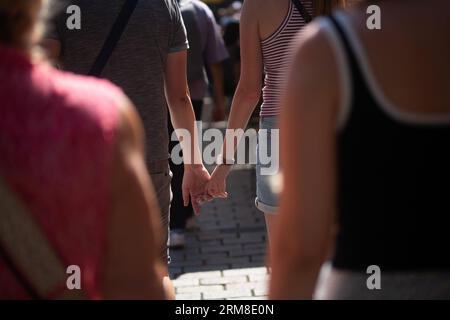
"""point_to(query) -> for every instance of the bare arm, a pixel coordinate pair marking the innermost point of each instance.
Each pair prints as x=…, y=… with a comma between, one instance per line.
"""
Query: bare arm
x=183, y=117
x=248, y=91
x=308, y=154
x=179, y=100
x=133, y=269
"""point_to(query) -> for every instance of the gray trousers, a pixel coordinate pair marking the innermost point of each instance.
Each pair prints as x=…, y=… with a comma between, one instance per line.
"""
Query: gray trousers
x=161, y=179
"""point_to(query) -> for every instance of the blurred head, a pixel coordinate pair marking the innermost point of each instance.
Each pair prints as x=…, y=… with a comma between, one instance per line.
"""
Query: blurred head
x=20, y=22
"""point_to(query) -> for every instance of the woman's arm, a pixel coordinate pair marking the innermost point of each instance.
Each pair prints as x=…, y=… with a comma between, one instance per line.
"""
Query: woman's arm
x=308, y=201
x=133, y=268
x=248, y=91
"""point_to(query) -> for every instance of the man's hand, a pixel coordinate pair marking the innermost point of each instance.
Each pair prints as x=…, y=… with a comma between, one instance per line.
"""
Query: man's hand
x=217, y=185
x=194, y=181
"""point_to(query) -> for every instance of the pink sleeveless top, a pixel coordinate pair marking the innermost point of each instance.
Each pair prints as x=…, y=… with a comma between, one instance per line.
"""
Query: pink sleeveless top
x=57, y=133
x=277, y=51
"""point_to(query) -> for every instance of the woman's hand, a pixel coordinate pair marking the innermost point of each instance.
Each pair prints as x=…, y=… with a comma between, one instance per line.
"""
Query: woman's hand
x=216, y=187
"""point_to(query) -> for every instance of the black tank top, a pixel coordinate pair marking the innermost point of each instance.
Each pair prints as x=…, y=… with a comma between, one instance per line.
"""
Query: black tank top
x=393, y=185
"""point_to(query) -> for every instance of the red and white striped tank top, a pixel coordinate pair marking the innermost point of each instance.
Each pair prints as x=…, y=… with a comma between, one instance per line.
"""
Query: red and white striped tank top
x=276, y=51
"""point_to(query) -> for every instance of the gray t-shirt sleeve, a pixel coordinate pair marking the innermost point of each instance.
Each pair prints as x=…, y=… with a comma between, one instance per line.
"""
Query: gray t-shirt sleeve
x=178, y=39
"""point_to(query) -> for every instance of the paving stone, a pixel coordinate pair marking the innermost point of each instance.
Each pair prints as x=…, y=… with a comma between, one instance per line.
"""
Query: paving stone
x=245, y=265
x=207, y=256
x=224, y=294
x=248, y=271
x=202, y=275
x=189, y=296
x=224, y=280
x=186, y=282
x=211, y=243
x=220, y=248
x=229, y=260
x=246, y=252
x=176, y=255
x=257, y=288
x=261, y=291
x=200, y=289
x=258, y=277
x=188, y=263
x=215, y=236
x=252, y=246
x=188, y=250
x=243, y=241
x=258, y=258
x=212, y=227
x=248, y=298
x=206, y=268
x=229, y=225
x=174, y=272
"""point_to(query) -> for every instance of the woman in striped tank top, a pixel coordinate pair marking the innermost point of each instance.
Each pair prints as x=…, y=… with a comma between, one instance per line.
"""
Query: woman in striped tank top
x=267, y=29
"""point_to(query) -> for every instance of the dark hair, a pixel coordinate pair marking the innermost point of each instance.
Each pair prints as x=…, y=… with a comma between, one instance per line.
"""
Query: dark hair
x=325, y=7
x=19, y=22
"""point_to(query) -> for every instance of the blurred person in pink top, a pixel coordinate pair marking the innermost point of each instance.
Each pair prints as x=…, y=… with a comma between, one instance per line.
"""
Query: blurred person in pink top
x=72, y=153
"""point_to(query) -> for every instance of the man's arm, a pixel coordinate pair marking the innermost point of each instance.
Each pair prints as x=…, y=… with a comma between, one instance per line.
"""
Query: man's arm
x=183, y=118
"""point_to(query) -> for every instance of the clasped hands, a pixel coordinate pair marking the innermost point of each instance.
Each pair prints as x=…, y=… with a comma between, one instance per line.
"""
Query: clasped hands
x=200, y=187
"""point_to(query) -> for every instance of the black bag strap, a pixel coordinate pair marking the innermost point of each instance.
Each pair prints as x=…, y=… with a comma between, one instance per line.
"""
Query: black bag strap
x=301, y=8
x=113, y=37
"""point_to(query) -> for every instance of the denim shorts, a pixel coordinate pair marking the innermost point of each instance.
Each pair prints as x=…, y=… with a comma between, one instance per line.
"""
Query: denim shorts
x=266, y=171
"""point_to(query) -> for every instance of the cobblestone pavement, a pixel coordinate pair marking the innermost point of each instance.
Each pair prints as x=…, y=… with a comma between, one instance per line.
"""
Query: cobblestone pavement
x=225, y=257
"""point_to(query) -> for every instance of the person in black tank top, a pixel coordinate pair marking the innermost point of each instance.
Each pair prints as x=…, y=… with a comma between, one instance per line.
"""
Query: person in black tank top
x=391, y=200
x=391, y=181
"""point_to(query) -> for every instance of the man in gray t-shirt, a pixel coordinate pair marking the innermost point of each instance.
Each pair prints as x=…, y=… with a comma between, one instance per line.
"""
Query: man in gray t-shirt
x=137, y=63
x=149, y=63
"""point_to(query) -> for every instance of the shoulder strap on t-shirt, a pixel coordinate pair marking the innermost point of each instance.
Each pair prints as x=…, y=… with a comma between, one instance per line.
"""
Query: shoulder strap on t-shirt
x=113, y=37
x=28, y=254
x=301, y=8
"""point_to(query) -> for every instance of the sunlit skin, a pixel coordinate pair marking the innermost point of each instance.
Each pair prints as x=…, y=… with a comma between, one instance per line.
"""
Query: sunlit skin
x=412, y=70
